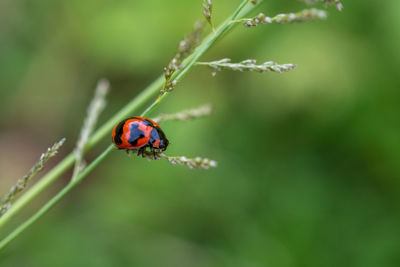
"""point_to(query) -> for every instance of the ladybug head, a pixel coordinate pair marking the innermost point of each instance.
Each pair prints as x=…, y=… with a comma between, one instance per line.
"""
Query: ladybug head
x=163, y=144
x=158, y=139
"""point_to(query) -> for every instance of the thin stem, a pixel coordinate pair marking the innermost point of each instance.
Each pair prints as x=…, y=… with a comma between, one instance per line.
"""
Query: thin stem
x=130, y=108
x=55, y=199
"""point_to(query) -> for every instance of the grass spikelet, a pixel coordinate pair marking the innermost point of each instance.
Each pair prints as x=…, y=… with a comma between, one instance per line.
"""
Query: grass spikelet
x=185, y=48
x=337, y=3
x=207, y=11
x=302, y=16
x=191, y=163
x=247, y=65
x=185, y=114
x=95, y=108
x=23, y=182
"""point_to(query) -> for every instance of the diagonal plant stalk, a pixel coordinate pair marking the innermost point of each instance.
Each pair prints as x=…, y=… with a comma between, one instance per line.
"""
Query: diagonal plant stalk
x=131, y=107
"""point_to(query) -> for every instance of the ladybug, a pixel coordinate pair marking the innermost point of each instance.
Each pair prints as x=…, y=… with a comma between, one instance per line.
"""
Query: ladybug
x=139, y=133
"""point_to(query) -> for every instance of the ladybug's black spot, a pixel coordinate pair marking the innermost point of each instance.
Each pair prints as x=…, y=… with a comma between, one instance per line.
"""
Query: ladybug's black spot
x=136, y=133
x=118, y=133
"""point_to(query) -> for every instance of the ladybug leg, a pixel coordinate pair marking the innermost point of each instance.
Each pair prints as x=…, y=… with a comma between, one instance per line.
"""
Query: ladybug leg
x=143, y=151
x=128, y=151
x=152, y=150
x=140, y=151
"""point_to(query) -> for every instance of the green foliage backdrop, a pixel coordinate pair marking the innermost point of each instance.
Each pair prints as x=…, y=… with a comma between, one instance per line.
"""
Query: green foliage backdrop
x=308, y=173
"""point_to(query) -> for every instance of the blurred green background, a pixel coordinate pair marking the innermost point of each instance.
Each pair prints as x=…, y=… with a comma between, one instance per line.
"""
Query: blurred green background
x=308, y=160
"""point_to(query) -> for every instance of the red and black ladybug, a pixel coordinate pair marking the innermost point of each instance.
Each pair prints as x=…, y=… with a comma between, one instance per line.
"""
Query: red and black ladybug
x=139, y=133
